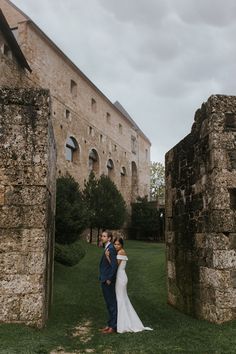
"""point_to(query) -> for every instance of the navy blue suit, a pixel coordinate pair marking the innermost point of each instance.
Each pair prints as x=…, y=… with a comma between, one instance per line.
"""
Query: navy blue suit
x=108, y=272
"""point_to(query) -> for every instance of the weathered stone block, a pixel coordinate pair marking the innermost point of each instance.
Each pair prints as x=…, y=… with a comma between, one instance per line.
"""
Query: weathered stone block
x=35, y=263
x=10, y=308
x=221, y=221
x=21, y=284
x=10, y=240
x=11, y=263
x=215, y=278
x=218, y=241
x=215, y=314
x=171, y=270
x=31, y=307
x=226, y=299
x=22, y=216
x=34, y=240
x=224, y=259
x=25, y=195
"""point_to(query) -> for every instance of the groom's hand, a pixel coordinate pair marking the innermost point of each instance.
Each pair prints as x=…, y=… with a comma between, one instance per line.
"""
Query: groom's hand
x=108, y=282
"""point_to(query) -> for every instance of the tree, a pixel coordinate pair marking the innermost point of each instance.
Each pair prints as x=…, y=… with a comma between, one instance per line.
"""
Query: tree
x=90, y=194
x=111, y=208
x=71, y=211
x=157, y=185
x=145, y=219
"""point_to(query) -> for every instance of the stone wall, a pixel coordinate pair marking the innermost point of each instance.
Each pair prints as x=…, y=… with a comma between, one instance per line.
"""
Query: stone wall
x=201, y=214
x=12, y=75
x=27, y=205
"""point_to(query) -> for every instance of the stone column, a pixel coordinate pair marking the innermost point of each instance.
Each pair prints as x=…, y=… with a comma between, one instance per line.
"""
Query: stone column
x=27, y=206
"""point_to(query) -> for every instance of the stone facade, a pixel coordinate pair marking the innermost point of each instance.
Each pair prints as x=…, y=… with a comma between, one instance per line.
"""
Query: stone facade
x=86, y=124
x=201, y=214
x=27, y=205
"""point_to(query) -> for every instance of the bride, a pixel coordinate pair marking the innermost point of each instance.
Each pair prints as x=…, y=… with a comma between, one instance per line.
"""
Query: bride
x=127, y=318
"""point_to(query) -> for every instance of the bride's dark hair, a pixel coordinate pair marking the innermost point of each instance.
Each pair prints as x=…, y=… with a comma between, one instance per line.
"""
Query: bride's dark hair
x=120, y=240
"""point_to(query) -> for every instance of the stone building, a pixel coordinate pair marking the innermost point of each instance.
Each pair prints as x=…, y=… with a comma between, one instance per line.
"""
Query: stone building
x=91, y=132
x=201, y=214
x=27, y=189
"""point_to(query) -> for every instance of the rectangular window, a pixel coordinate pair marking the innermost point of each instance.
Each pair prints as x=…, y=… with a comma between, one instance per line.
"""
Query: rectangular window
x=108, y=118
x=133, y=144
x=146, y=154
x=73, y=88
x=94, y=105
x=101, y=138
x=67, y=114
x=6, y=51
x=120, y=129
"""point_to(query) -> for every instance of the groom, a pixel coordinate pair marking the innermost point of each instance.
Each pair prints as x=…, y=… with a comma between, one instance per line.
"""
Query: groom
x=108, y=278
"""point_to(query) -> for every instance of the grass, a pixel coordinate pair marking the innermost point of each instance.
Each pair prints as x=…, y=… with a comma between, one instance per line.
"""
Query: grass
x=78, y=302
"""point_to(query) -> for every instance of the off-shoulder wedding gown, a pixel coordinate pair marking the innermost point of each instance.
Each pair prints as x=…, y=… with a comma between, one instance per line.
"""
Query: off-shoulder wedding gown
x=127, y=318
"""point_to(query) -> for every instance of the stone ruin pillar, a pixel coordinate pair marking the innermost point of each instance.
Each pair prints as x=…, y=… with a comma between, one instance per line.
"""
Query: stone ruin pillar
x=201, y=214
x=27, y=206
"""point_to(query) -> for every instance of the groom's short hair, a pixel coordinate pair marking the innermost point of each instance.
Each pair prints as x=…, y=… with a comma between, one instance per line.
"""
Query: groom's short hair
x=109, y=234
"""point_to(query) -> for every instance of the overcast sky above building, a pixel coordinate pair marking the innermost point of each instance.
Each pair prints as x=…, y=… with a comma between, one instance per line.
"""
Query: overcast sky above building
x=159, y=58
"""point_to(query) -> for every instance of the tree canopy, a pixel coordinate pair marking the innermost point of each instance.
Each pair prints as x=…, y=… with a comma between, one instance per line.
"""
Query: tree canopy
x=157, y=185
x=71, y=210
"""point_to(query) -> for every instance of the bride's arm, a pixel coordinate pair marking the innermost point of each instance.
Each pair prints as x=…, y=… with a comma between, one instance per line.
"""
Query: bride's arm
x=120, y=253
x=107, y=254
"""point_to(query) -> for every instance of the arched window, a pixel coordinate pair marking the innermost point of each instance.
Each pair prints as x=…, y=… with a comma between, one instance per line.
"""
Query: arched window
x=134, y=181
x=93, y=161
x=71, y=149
x=123, y=176
x=110, y=169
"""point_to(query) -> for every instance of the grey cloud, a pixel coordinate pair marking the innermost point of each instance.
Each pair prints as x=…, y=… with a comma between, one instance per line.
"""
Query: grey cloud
x=160, y=58
x=137, y=11
x=209, y=12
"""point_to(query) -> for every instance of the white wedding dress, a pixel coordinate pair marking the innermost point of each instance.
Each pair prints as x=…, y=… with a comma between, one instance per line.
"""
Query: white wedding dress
x=127, y=318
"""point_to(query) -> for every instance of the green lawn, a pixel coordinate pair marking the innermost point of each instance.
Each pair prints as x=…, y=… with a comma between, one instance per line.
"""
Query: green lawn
x=78, y=302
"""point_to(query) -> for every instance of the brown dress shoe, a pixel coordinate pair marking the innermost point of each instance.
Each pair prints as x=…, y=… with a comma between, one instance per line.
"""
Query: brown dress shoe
x=109, y=331
x=103, y=329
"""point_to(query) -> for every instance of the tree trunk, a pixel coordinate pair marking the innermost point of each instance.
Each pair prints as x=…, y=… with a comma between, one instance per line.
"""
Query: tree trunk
x=91, y=235
x=98, y=240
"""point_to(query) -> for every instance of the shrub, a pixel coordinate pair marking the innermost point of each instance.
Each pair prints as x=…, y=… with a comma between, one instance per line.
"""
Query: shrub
x=70, y=254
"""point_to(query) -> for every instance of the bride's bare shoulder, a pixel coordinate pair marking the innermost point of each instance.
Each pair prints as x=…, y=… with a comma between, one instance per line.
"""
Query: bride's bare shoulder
x=122, y=252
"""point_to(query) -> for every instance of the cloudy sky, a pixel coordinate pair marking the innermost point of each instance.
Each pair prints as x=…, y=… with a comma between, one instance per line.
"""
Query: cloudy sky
x=159, y=58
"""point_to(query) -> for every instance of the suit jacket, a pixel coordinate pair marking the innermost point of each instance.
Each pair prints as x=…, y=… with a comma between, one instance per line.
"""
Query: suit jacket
x=108, y=270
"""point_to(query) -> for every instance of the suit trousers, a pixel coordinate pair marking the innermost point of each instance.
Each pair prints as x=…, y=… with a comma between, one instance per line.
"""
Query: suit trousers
x=109, y=294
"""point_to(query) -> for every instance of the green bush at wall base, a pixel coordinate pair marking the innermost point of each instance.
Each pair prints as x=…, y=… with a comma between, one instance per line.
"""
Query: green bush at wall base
x=69, y=254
